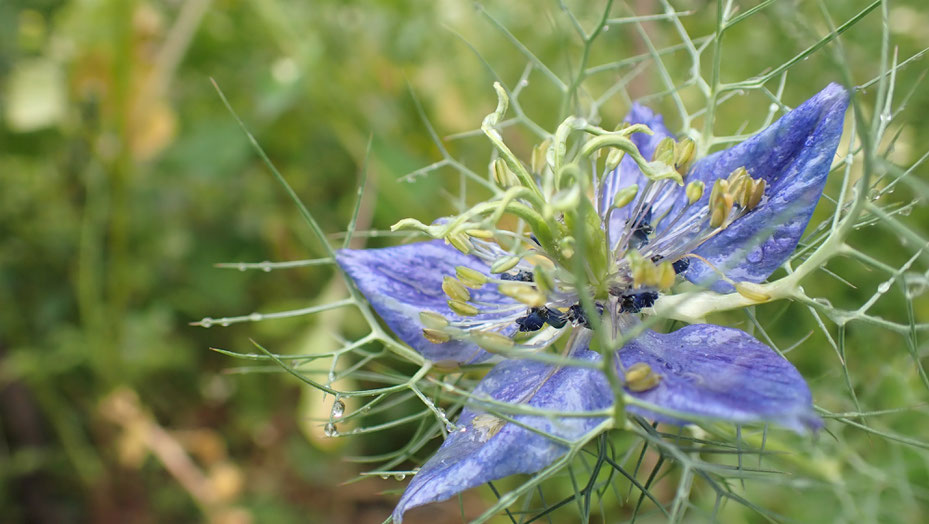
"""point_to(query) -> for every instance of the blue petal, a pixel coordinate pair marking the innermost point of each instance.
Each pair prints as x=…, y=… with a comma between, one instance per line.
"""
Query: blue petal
x=793, y=155
x=473, y=455
x=628, y=171
x=402, y=281
x=719, y=372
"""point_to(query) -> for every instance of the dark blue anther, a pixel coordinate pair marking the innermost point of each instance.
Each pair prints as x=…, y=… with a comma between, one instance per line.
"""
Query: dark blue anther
x=554, y=318
x=534, y=239
x=519, y=276
x=681, y=265
x=637, y=302
x=533, y=321
x=578, y=317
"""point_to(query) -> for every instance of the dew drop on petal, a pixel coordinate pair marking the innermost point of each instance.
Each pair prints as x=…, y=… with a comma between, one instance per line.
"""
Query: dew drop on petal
x=338, y=408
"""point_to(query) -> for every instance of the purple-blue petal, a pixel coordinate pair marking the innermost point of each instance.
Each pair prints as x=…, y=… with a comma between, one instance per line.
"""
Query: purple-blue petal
x=719, y=372
x=793, y=156
x=627, y=173
x=402, y=281
x=472, y=456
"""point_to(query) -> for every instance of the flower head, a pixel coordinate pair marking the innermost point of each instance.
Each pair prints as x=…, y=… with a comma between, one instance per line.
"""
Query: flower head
x=601, y=253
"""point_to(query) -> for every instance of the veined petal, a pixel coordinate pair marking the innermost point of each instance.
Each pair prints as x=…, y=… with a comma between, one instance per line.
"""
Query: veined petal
x=486, y=448
x=719, y=372
x=627, y=173
x=793, y=156
x=402, y=281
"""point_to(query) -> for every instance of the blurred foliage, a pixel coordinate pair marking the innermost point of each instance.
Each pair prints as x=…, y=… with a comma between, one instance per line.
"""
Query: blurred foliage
x=123, y=180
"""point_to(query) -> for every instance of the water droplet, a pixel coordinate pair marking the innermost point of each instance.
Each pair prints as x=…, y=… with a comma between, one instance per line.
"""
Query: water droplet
x=523, y=82
x=338, y=409
x=330, y=430
x=884, y=287
x=399, y=476
x=206, y=322
x=242, y=267
x=385, y=477
x=331, y=377
x=255, y=317
x=266, y=266
x=224, y=323
x=450, y=427
x=441, y=412
x=773, y=107
x=885, y=117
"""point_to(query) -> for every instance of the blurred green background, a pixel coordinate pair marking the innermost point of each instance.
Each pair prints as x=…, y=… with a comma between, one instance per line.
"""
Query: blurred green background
x=123, y=179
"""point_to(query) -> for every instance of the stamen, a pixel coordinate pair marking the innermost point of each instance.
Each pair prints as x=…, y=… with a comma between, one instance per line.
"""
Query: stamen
x=640, y=377
x=455, y=289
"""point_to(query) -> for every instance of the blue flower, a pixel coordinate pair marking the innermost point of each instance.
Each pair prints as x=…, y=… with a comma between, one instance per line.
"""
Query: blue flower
x=737, y=219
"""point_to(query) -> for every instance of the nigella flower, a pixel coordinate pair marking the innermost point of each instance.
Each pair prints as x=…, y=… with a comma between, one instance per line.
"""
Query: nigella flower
x=622, y=242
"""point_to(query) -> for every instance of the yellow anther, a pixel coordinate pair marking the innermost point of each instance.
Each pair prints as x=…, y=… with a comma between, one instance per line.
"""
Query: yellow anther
x=721, y=202
x=487, y=426
x=480, y=233
x=752, y=291
x=461, y=242
x=455, y=289
x=539, y=156
x=462, y=308
x=664, y=151
x=491, y=340
x=503, y=175
x=625, y=195
x=694, y=191
x=684, y=152
x=523, y=293
x=640, y=377
x=471, y=277
x=666, y=275
x=435, y=336
x=757, y=191
x=502, y=265
x=432, y=320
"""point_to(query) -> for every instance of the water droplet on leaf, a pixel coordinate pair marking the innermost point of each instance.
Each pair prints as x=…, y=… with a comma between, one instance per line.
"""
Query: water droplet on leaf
x=338, y=409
